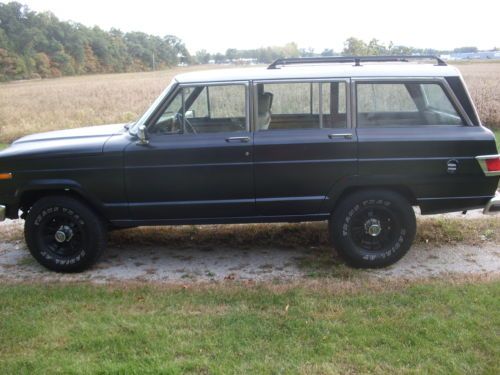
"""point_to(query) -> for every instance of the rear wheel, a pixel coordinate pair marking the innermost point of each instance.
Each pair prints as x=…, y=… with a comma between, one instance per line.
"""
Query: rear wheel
x=63, y=234
x=372, y=229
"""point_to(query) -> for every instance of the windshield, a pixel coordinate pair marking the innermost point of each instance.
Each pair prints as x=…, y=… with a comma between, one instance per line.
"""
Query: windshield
x=133, y=129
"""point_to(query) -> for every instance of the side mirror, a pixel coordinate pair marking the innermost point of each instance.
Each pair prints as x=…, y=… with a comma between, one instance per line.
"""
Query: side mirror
x=141, y=134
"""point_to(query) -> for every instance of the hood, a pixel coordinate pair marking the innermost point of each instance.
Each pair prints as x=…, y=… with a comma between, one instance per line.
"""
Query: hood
x=72, y=134
x=71, y=142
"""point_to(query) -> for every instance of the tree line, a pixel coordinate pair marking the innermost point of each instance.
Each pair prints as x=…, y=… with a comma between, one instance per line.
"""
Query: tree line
x=38, y=45
x=352, y=47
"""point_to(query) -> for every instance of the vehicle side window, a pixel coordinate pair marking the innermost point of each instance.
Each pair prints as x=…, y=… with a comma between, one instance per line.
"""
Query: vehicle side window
x=388, y=104
x=304, y=105
x=205, y=109
x=391, y=97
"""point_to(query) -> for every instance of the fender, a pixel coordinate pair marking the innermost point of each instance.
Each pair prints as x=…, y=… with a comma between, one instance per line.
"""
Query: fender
x=349, y=183
x=58, y=185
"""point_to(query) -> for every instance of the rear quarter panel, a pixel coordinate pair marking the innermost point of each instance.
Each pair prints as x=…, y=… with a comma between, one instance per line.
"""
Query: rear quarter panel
x=418, y=157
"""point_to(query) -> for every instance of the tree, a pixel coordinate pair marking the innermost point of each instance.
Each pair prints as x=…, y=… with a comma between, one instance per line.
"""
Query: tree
x=465, y=50
x=231, y=54
x=401, y=50
x=38, y=44
x=11, y=66
x=375, y=48
x=63, y=62
x=307, y=52
x=202, y=57
x=357, y=47
x=42, y=64
x=354, y=47
x=91, y=64
x=328, y=52
x=219, y=58
x=290, y=50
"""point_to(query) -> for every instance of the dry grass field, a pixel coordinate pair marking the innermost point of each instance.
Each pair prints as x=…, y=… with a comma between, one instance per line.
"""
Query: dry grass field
x=40, y=105
x=34, y=106
x=483, y=80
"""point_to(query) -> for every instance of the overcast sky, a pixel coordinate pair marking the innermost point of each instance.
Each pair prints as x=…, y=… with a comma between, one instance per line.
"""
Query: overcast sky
x=216, y=25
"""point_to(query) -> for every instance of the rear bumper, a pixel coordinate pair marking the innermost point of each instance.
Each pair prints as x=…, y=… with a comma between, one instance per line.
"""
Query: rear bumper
x=493, y=206
x=3, y=211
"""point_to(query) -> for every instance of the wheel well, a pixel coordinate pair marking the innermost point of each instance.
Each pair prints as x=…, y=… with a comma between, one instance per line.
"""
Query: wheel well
x=404, y=191
x=29, y=198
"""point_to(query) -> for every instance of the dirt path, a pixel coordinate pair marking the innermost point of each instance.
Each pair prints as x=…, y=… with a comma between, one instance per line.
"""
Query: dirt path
x=187, y=265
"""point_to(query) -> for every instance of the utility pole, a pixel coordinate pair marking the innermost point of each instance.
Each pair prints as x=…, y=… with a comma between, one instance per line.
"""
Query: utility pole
x=154, y=67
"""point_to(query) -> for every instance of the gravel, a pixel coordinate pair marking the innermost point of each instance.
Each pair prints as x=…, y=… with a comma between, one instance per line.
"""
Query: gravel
x=189, y=265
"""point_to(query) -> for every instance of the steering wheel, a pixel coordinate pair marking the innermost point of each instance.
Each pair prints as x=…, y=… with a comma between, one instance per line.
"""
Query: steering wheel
x=189, y=126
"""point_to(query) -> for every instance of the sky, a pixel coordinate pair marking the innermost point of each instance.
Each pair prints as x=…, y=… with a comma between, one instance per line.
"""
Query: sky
x=216, y=25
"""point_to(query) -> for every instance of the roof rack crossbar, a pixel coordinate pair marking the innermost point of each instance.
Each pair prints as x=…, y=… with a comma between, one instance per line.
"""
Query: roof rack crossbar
x=357, y=60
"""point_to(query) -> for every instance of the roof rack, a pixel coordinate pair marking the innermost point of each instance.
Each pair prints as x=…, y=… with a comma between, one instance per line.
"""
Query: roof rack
x=357, y=60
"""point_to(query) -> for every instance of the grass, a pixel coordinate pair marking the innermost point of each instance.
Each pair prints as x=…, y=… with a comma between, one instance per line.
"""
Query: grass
x=35, y=106
x=483, y=81
x=3, y=145
x=438, y=231
x=434, y=327
x=69, y=102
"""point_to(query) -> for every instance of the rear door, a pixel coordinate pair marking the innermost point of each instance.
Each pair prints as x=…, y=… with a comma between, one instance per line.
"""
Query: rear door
x=303, y=144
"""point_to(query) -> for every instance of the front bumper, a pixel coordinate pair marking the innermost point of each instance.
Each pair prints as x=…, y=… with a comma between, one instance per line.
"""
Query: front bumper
x=3, y=211
x=493, y=206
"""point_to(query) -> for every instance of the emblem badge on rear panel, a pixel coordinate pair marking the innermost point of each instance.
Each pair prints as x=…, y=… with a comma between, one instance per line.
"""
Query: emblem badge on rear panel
x=452, y=166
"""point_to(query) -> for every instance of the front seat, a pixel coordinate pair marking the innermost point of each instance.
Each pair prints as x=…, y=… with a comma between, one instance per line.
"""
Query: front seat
x=265, y=101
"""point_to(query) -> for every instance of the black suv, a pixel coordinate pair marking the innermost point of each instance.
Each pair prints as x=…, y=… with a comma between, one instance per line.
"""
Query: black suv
x=356, y=141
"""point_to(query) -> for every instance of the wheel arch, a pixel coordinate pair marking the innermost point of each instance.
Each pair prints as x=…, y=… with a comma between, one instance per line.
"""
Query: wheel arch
x=36, y=190
x=338, y=195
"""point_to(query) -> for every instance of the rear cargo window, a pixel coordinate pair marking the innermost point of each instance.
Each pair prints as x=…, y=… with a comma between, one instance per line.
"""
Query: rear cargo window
x=390, y=104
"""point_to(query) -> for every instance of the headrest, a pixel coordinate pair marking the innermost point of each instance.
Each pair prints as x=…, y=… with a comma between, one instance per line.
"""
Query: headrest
x=265, y=101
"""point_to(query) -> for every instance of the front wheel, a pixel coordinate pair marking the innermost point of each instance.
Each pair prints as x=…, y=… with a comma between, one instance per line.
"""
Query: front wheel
x=373, y=229
x=63, y=234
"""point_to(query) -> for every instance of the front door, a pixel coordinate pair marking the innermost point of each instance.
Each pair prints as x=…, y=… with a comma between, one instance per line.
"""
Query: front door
x=198, y=163
x=303, y=145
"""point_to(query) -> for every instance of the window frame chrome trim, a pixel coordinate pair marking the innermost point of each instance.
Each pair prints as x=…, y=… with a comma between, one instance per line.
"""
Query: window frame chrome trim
x=155, y=105
x=346, y=80
x=469, y=98
x=440, y=80
x=481, y=159
x=171, y=95
x=227, y=83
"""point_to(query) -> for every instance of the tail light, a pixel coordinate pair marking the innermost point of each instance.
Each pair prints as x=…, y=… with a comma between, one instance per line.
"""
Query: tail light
x=5, y=176
x=490, y=164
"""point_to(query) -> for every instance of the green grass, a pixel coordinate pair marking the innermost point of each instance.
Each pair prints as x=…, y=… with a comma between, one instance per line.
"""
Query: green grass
x=3, y=145
x=438, y=328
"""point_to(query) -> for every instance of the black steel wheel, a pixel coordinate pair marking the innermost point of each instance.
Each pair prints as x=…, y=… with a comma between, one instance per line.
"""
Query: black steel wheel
x=63, y=234
x=372, y=229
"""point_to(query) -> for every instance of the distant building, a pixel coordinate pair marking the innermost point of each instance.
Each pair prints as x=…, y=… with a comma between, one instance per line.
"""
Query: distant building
x=481, y=55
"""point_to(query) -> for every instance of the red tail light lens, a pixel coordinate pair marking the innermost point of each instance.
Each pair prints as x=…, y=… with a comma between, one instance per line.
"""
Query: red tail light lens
x=493, y=165
x=490, y=164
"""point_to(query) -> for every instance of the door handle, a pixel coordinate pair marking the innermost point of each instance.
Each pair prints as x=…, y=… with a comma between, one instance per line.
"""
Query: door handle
x=340, y=135
x=238, y=139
